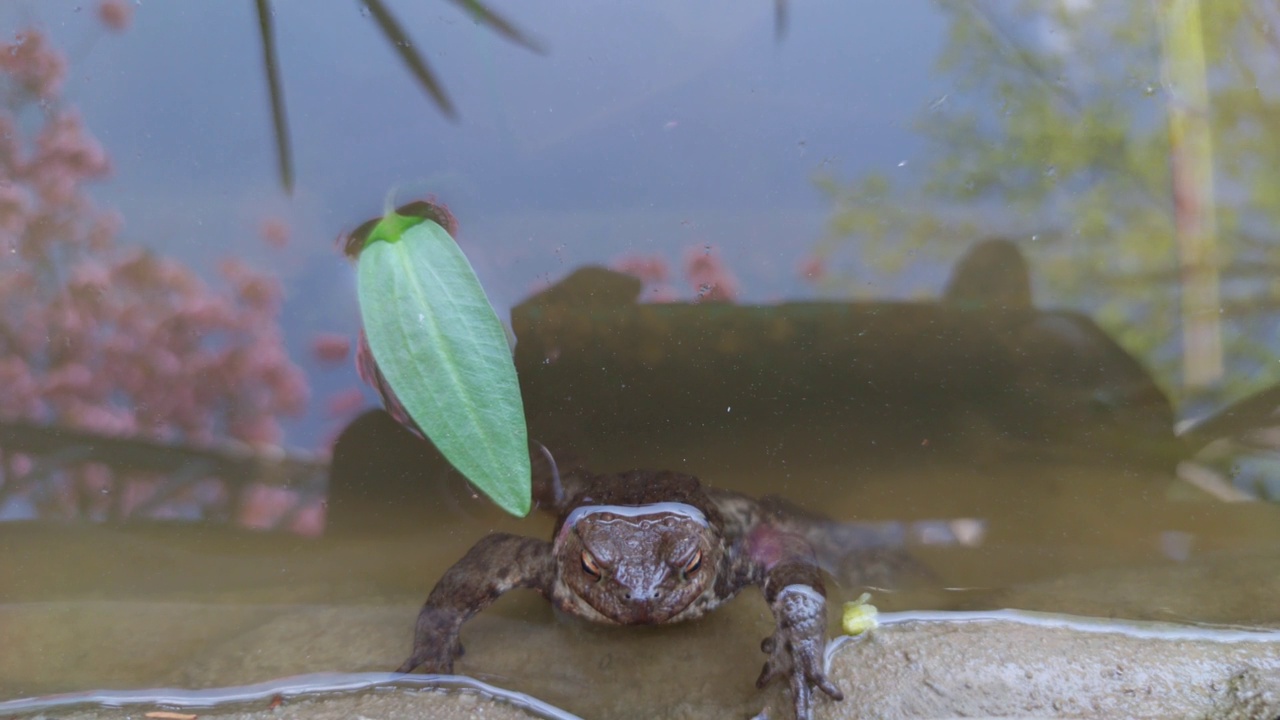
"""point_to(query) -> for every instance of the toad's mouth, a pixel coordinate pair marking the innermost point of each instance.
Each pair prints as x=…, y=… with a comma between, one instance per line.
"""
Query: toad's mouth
x=638, y=612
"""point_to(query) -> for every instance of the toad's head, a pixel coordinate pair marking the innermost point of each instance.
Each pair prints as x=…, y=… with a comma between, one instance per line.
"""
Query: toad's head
x=637, y=565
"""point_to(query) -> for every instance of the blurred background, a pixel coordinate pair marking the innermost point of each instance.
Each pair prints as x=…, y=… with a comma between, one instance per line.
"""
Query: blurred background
x=831, y=150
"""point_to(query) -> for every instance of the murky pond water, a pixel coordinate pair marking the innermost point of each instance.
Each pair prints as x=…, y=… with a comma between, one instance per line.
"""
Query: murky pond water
x=141, y=606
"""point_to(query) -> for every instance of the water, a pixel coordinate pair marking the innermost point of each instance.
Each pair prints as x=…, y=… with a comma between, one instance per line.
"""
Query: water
x=823, y=309
x=138, y=607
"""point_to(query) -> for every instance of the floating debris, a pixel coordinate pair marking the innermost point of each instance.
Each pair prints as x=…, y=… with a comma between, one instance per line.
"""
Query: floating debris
x=860, y=615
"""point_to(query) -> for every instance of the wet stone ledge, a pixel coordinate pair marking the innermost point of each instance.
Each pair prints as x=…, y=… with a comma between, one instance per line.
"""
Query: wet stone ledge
x=1016, y=664
x=915, y=665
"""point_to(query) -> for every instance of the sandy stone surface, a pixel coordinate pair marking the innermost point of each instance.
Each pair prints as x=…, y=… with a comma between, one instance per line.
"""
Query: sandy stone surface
x=365, y=706
x=1000, y=668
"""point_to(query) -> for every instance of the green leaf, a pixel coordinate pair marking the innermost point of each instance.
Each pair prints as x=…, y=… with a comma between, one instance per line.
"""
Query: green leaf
x=444, y=352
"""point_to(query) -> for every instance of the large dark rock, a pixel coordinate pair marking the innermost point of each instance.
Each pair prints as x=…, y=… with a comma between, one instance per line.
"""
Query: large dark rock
x=847, y=377
x=385, y=479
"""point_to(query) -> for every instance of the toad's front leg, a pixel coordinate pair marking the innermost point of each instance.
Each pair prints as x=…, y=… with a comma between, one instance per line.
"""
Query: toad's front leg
x=498, y=563
x=793, y=588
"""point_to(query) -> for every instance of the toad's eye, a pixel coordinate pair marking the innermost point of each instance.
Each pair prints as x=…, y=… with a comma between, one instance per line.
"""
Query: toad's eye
x=590, y=566
x=694, y=563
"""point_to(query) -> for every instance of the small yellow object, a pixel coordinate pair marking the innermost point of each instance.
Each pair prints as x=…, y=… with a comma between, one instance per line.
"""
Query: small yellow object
x=860, y=615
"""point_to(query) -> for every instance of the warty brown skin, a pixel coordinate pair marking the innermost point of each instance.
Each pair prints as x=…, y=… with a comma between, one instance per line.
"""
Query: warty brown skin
x=659, y=564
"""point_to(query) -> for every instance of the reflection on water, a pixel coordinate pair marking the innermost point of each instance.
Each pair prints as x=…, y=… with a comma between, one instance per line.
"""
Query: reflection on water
x=1012, y=427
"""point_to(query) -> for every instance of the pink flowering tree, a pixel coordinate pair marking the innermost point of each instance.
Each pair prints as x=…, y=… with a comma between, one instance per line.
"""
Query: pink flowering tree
x=107, y=337
x=706, y=273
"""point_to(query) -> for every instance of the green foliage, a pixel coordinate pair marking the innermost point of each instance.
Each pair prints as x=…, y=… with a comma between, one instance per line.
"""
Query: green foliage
x=1065, y=143
x=444, y=353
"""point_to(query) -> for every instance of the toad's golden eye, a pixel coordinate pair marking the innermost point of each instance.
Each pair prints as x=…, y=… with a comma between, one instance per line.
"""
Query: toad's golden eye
x=590, y=566
x=694, y=563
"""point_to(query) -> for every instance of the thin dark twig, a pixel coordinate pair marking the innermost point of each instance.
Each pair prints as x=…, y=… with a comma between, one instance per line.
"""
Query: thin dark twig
x=404, y=47
x=501, y=25
x=284, y=151
x=779, y=19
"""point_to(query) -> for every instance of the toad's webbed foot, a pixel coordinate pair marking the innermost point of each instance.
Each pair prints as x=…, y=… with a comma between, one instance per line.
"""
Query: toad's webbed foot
x=436, y=646
x=797, y=646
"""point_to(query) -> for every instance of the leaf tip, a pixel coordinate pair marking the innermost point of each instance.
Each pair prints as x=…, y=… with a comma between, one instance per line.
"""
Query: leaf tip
x=514, y=499
x=520, y=509
x=393, y=223
x=431, y=209
x=517, y=497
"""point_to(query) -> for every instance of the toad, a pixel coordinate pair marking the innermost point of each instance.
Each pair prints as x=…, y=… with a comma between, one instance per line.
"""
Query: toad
x=645, y=548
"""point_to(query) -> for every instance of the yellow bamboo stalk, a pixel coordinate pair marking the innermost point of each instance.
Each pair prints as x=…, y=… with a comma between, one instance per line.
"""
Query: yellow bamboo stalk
x=1191, y=160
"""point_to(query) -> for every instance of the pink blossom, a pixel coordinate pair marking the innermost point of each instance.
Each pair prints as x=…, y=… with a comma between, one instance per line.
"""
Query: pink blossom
x=44, y=230
x=275, y=232
x=345, y=403
x=33, y=64
x=15, y=205
x=19, y=388
x=65, y=156
x=105, y=227
x=22, y=464
x=255, y=289
x=115, y=14
x=91, y=275
x=68, y=380
x=110, y=338
x=262, y=506
x=308, y=520
x=257, y=429
x=330, y=348
x=813, y=268
x=10, y=143
x=711, y=279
